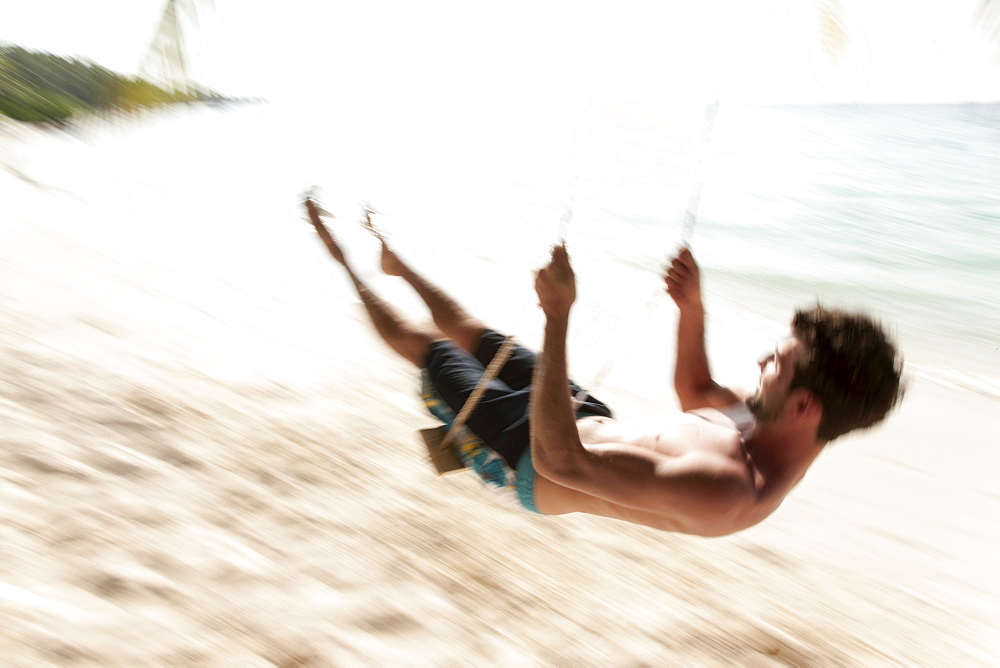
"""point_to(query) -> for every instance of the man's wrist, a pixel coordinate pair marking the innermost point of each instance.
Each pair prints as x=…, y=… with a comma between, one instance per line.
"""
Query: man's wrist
x=557, y=314
x=693, y=309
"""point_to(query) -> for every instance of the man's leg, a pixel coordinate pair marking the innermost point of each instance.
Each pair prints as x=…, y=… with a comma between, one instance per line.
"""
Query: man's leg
x=470, y=333
x=456, y=323
x=410, y=341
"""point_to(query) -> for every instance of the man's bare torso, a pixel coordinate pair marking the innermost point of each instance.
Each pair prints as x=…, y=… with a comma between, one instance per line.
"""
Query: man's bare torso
x=706, y=437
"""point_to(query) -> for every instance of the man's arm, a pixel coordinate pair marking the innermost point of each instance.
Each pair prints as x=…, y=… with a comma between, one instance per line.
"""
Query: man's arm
x=692, y=377
x=692, y=488
x=555, y=441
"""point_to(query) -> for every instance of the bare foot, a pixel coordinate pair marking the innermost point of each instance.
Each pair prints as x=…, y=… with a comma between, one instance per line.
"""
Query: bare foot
x=324, y=234
x=390, y=262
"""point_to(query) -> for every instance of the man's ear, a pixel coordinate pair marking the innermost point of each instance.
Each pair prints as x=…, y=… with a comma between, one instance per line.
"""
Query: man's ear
x=805, y=405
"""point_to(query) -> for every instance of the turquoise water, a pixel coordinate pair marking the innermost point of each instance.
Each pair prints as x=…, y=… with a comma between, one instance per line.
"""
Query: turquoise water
x=893, y=209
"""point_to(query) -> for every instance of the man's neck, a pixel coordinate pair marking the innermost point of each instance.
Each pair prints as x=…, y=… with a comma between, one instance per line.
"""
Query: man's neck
x=779, y=451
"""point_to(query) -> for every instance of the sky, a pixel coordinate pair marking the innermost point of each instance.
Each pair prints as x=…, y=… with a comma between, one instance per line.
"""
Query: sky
x=519, y=52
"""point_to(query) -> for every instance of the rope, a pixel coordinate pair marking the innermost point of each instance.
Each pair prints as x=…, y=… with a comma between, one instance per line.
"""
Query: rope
x=576, y=161
x=499, y=359
x=578, y=154
x=687, y=230
x=491, y=371
x=707, y=132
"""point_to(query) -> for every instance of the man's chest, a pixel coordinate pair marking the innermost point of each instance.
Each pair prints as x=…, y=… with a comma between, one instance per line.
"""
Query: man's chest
x=677, y=437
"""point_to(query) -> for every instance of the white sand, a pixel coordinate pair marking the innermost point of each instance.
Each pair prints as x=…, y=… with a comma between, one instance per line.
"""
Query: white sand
x=195, y=469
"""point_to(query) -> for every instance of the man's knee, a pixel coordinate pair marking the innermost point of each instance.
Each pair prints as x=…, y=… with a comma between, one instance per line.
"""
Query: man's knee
x=471, y=336
x=415, y=345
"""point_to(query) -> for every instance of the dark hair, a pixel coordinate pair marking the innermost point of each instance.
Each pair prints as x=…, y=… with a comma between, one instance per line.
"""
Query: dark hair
x=850, y=365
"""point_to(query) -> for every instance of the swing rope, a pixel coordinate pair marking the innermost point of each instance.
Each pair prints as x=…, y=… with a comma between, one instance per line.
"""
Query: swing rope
x=707, y=132
x=574, y=169
x=687, y=230
x=438, y=440
x=435, y=447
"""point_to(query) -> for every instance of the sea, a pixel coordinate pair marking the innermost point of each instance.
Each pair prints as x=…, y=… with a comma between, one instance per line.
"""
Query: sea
x=893, y=210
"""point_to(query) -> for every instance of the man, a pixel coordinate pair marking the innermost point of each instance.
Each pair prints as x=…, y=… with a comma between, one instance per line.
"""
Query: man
x=723, y=465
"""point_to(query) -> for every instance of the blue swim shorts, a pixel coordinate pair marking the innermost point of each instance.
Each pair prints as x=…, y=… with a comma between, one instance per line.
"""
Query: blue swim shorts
x=495, y=441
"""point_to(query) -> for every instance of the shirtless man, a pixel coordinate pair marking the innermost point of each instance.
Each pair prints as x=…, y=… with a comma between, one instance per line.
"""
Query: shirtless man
x=723, y=465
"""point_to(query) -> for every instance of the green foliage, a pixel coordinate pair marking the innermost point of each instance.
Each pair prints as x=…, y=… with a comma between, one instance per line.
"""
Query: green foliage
x=45, y=88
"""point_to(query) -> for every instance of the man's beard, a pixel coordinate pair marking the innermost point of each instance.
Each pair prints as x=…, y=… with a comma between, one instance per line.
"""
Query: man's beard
x=765, y=413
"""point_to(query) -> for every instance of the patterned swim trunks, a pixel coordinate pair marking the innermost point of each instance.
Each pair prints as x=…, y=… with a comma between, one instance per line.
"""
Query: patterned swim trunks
x=513, y=486
x=495, y=441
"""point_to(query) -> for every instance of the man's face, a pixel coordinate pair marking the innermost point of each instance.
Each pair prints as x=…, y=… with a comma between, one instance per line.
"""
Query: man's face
x=776, y=371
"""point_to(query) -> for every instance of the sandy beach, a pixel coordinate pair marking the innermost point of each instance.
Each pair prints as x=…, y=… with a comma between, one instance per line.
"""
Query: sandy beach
x=200, y=468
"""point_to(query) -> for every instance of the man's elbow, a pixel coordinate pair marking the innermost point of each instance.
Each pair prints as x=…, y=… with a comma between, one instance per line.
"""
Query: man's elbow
x=710, y=395
x=688, y=398
x=742, y=510
x=692, y=396
x=727, y=506
x=558, y=468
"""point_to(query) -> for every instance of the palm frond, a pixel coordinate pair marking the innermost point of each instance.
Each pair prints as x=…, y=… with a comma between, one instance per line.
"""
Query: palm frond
x=833, y=36
x=988, y=18
x=166, y=60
